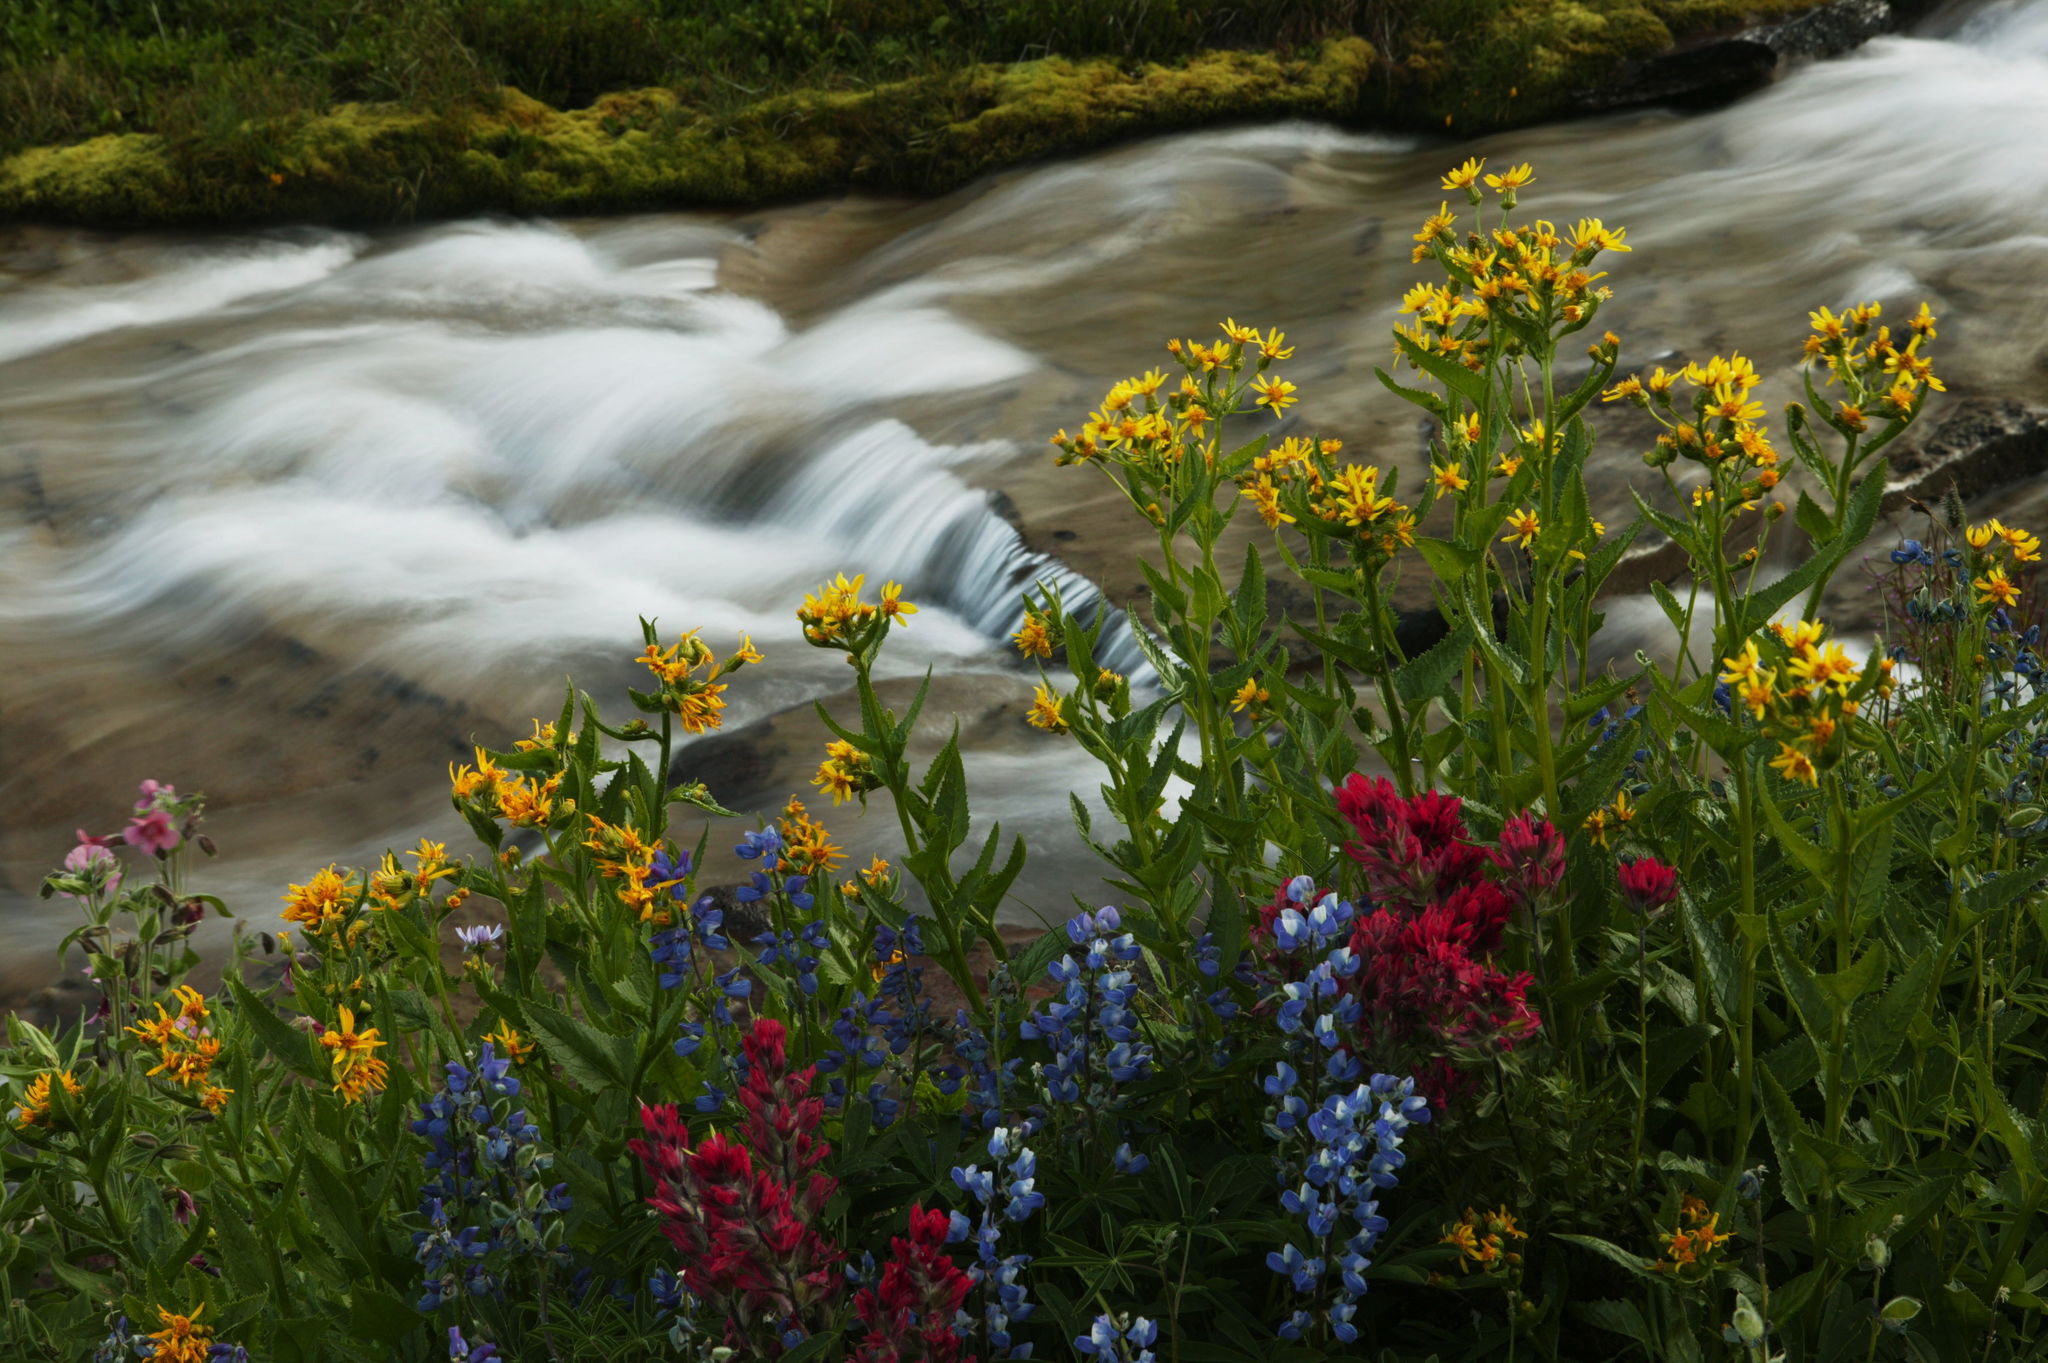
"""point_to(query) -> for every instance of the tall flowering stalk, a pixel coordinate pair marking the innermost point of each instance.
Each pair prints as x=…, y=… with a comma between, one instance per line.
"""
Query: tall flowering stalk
x=1006, y=1193
x=1339, y=1138
x=745, y=1215
x=492, y=1218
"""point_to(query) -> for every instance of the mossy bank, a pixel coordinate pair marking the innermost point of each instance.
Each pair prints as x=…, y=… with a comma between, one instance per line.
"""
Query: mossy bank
x=202, y=115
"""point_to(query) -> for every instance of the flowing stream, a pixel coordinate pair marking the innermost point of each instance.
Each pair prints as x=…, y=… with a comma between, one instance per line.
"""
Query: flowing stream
x=294, y=516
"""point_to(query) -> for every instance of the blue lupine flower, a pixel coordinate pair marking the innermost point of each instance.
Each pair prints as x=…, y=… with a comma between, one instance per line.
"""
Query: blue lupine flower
x=1112, y=1342
x=1090, y=1027
x=997, y=1275
x=461, y=1350
x=1340, y=1140
x=485, y=1205
x=761, y=842
x=1127, y=1161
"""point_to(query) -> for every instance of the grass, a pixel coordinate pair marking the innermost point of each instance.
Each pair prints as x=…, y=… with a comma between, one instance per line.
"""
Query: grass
x=192, y=112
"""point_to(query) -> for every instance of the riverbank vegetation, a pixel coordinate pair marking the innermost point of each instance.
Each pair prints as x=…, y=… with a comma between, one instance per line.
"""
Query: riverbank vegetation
x=1477, y=1002
x=367, y=111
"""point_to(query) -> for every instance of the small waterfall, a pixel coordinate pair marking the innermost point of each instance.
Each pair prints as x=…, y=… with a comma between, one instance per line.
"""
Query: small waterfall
x=888, y=496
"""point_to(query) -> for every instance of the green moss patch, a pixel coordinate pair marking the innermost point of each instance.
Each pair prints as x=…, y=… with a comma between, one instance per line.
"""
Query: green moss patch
x=447, y=144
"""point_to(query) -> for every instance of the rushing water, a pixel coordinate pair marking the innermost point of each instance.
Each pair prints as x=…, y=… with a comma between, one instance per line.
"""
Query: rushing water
x=292, y=516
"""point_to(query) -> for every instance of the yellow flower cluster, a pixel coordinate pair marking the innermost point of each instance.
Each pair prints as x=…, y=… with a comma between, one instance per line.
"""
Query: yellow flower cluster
x=1048, y=710
x=1999, y=551
x=357, y=1070
x=393, y=888
x=1693, y=1246
x=626, y=857
x=523, y=800
x=695, y=701
x=1037, y=636
x=1721, y=431
x=1878, y=373
x=35, y=1099
x=182, y=1339
x=1806, y=694
x=834, y=616
x=1138, y=428
x=1300, y=478
x=807, y=848
x=1528, y=275
x=874, y=876
x=324, y=902
x=1610, y=820
x=1486, y=1240
x=845, y=772
x=186, y=1048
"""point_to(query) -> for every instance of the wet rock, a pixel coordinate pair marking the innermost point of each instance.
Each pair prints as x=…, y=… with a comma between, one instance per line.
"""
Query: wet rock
x=1981, y=445
x=1719, y=69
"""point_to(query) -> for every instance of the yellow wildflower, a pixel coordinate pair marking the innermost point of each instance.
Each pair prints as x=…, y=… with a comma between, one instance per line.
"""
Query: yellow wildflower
x=1995, y=588
x=1251, y=698
x=321, y=902
x=182, y=1339
x=1265, y=499
x=1464, y=176
x=35, y=1099
x=1795, y=765
x=1523, y=527
x=357, y=1070
x=509, y=1043
x=1512, y=179
x=1448, y=479
x=1034, y=639
x=1276, y=393
x=807, y=846
x=1048, y=711
x=1592, y=235
x=894, y=606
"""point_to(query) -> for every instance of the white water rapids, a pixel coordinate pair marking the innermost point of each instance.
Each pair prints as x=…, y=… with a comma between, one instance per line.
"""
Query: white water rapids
x=293, y=516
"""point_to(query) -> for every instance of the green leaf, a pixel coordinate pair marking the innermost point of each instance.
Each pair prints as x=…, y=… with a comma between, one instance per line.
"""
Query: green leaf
x=594, y=1060
x=1429, y=402
x=1452, y=375
x=1802, y=986
x=1711, y=948
x=1446, y=558
x=1809, y=854
x=1431, y=672
x=1634, y=1263
x=290, y=1045
x=1781, y=1119
x=1813, y=520
x=1248, y=604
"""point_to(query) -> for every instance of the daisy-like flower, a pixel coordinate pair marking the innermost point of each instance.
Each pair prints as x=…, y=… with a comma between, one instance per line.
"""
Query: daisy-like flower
x=1523, y=527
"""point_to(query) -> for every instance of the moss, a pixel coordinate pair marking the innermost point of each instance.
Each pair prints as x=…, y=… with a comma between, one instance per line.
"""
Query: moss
x=1470, y=63
x=1483, y=64
x=376, y=163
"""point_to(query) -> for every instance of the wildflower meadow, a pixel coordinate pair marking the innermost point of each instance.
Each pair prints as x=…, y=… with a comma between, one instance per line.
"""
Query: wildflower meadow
x=1460, y=992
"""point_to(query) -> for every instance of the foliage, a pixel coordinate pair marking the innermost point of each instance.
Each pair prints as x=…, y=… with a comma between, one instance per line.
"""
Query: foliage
x=372, y=111
x=1679, y=1010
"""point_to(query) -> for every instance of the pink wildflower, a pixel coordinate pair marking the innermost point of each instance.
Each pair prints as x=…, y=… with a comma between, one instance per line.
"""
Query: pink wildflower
x=152, y=832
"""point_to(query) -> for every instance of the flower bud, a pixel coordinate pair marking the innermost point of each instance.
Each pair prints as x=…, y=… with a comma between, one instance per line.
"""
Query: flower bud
x=1749, y=1326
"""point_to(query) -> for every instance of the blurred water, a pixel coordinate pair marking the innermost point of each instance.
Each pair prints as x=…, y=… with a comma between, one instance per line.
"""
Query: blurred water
x=292, y=516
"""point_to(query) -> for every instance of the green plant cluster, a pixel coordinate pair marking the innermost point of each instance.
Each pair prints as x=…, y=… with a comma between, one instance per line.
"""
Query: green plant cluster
x=231, y=110
x=1472, y=1001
